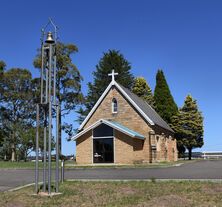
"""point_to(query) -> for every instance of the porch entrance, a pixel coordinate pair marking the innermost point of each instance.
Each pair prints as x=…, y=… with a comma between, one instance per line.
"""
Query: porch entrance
x=103, y=147
x=103, y=150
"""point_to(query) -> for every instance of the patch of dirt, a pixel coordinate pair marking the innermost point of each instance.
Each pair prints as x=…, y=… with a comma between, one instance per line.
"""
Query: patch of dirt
x=14, y=204
x=95, y=195
x=212, y=189
x=167, y=201
x=88, y=191
x=127, y=190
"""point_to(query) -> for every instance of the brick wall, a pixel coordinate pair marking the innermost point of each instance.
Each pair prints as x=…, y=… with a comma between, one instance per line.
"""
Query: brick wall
x=128, y=150
x=84, y=148
x=127, y=116
x=123, y=148
x=138, y=151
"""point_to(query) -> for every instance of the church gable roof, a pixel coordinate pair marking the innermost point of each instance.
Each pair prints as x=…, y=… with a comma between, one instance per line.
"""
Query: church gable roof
x=146, y=111
x=114, y=125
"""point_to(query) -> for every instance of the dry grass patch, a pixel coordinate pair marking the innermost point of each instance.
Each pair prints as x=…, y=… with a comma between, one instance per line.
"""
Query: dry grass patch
x=138, y=194
x=169, y=201
x=211, y=189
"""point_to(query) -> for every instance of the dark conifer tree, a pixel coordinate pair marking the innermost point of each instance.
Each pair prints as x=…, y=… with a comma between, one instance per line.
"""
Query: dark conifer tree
x=165, y=104
x=188, y=125
x=112, y=59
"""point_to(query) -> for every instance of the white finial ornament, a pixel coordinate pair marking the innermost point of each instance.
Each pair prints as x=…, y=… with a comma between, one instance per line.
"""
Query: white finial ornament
x=113, y=75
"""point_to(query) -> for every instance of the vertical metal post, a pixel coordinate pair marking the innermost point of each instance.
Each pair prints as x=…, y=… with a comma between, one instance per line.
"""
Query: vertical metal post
x=47, y=101
x=44, y=150
x=45, y=125
x=57, y=150
x=57, y=122
x=47, y=86
x=37, y=150
x=50, y=119
x=42, y=68
x=62, y=171
x=54, y=76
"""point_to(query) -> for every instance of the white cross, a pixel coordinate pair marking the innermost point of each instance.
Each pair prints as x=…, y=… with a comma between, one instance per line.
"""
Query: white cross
x=113, y=75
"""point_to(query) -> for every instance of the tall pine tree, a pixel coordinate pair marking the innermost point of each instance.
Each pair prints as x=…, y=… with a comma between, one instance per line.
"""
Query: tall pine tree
x=112, y=59
x=142, y=89
x=165, y=104
x=188, y=125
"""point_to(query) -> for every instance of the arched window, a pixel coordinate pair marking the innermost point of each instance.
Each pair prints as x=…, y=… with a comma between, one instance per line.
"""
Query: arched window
x=114, y=106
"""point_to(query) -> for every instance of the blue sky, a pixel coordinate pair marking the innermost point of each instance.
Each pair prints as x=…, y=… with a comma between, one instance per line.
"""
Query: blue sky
x=182, y=37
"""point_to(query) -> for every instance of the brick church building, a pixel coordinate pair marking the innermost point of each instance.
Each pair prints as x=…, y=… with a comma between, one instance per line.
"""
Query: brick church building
x=123, y=129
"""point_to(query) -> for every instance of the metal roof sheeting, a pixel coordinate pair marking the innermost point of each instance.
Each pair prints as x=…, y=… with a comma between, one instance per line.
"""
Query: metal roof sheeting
x=117, y=125
x=114, y=125
x=147, y=109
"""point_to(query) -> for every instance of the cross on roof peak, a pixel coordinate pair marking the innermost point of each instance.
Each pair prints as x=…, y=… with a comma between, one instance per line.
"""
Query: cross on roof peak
x=113, y=75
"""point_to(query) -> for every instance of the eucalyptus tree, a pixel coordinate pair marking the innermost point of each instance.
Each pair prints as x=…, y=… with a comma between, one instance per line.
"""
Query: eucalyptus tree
x=68, y=83
x=16, y=105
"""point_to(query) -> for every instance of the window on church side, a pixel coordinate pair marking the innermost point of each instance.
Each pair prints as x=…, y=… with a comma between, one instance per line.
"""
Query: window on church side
x=114, y=106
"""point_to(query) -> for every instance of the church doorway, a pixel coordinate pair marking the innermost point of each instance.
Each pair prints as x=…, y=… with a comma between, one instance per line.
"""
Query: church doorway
x=103, y=147
x=103, y=150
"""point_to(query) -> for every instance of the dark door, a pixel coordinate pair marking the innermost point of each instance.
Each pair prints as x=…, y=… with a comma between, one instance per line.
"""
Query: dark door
x=103, y=150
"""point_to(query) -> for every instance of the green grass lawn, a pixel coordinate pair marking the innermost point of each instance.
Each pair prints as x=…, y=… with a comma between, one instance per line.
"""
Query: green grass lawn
x=71, y=164
x=20, y=165
x=24, y=165
x=173, y=194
